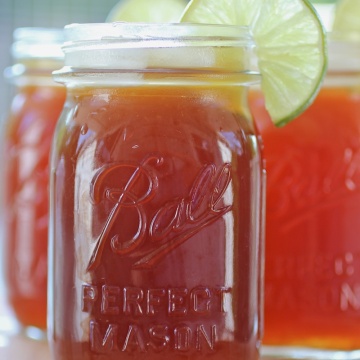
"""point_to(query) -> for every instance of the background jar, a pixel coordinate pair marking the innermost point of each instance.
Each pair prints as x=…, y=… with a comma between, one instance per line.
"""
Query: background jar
x=156, y=178
x=312, y=276
x=26, y=138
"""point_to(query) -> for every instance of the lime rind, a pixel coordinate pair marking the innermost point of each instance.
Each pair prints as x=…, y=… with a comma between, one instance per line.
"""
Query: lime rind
x=292, y=73
x=291, y=47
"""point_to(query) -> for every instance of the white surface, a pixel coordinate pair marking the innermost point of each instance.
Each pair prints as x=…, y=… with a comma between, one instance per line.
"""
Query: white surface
x=20, y=348
x=17, y=347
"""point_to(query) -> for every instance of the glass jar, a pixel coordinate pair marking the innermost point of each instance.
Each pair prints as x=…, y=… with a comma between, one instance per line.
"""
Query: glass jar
x=27, y=138
x=156, y=180
x=312, y=275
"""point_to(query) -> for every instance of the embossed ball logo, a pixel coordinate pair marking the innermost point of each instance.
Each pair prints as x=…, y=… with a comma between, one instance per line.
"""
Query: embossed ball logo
x=170, y=225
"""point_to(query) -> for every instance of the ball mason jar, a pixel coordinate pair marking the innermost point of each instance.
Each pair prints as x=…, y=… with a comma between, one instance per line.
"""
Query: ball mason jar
x=156, y=196
x=312, y=272
x=26, y=142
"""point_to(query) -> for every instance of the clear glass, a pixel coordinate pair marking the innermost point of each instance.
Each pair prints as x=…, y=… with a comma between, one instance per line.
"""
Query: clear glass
x=156, y=197
x=312, y=277
x=26, y=141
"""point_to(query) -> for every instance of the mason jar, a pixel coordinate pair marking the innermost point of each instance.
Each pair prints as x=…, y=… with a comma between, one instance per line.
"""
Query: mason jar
x=312, y=272
x=26, y=141
x=156, y=196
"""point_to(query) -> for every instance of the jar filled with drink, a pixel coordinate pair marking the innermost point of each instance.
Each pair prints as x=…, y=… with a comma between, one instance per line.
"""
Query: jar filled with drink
x=156, y=195
x=312, y=277
x=27, y=138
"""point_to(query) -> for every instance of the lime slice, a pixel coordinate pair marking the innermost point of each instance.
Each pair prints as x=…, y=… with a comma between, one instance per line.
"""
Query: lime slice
x=291, y=47
x=347, y=19
x=155, y=11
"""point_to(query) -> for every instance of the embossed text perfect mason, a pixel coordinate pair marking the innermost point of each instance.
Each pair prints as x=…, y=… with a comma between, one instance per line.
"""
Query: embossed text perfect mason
x=156, y=196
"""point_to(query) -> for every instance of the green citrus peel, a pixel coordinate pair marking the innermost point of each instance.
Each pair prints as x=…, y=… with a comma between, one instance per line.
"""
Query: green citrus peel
x=291, y=47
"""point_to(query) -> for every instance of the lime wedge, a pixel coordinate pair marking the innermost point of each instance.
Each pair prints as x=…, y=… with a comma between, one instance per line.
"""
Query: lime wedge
x=347, y=19
x=155, y=11
x=291, y=47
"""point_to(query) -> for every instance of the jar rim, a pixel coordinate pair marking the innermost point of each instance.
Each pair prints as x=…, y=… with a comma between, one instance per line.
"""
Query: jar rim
x=77, y=35
x=108, y=50
x=37, y=34
x=37, y=43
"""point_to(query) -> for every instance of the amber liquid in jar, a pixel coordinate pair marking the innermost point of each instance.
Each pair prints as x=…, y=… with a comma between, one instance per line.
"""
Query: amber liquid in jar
x=312, y=250
x=156, y=197
x=312, y=298
x=27, y=142
x=160, y=250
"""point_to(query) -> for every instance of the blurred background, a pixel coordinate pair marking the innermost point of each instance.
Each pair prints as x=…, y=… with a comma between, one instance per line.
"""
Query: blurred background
x=41, y=13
